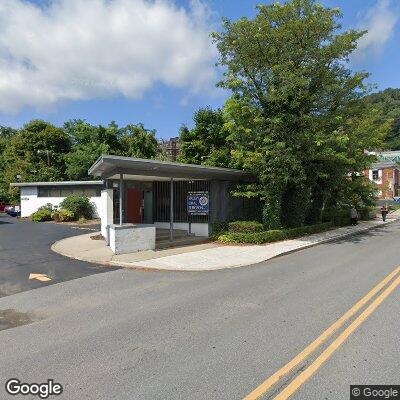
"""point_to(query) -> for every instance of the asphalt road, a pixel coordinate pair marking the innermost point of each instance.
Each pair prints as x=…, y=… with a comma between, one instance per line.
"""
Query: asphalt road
x=25, y=249
x=209, y=335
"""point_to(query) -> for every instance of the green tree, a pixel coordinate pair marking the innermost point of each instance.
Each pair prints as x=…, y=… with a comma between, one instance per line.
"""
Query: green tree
x=293, y=107
x=6, y=134
x=90, y=142
x=207, y=142
x=137, y=141
x=36, y=153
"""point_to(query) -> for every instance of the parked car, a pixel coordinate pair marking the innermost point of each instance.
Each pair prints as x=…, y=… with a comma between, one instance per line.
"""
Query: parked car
x=13, y=211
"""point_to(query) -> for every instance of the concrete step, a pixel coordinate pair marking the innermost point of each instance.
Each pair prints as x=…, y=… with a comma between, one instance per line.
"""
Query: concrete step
x=164, y=234
x=187, y=241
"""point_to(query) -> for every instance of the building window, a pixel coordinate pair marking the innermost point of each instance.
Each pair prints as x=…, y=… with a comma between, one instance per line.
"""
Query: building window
x=43, y=192
x=375, y=175
x=68, y=190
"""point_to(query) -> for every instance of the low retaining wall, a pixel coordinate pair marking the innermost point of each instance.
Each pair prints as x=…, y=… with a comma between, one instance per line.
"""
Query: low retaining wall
x=129, y=238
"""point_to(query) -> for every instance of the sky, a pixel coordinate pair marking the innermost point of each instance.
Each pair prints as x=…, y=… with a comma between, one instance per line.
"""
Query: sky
x=145, y=61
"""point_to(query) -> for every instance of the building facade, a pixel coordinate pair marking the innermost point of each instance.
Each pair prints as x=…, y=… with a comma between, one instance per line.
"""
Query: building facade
x=170, y=147
x=385, y=175
x=37, y=194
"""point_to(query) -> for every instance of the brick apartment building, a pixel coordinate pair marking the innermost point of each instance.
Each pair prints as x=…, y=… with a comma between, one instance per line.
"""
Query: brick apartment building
x=171, y=148
x=385, y=174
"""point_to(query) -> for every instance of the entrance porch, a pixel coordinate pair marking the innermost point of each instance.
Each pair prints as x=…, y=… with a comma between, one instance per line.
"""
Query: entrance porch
x=146, y=199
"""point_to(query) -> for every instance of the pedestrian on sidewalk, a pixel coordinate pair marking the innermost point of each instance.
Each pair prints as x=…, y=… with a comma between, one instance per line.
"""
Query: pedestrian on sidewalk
x=384, y=212
x=353, y=215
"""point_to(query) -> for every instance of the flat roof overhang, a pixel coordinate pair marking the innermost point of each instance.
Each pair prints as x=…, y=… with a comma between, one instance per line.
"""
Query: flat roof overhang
x=110, y=167
x=65, y=183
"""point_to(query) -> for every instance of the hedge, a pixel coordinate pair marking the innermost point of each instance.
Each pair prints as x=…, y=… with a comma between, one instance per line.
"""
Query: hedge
x=272, y=235
x=245, y=226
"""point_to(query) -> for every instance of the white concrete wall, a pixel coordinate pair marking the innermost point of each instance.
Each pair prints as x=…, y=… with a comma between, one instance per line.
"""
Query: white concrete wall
x=107, y=212
x=198, y=229
x=30, y=202
x=130, y=238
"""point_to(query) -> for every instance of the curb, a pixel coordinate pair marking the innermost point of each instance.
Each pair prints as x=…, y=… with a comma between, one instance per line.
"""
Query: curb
x=333, y=239
x=125, y=265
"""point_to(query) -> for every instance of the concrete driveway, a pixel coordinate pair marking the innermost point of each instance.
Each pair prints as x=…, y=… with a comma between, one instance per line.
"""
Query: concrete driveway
x=25, y=250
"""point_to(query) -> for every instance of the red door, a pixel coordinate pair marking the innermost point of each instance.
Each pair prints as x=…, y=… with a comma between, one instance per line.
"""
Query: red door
x=134, y=205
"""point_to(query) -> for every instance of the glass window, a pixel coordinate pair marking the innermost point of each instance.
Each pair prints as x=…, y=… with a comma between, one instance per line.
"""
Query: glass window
x=77, y=191
x=66, y=192
x=54, y=192
x=375, y=175
x=89, y=192
x=43, y=192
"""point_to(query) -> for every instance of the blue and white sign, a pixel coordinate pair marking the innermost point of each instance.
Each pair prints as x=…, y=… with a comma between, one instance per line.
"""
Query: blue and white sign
x=198, y=203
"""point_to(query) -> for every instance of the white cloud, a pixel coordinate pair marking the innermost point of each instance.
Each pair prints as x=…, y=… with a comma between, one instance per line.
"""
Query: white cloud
x=85, y=49
x=380, y=21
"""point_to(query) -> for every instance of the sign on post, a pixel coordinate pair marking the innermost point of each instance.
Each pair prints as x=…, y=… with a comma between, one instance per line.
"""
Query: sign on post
x=198, y=203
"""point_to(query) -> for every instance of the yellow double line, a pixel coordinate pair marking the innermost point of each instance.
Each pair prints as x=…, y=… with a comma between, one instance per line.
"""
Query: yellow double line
x=300, y=379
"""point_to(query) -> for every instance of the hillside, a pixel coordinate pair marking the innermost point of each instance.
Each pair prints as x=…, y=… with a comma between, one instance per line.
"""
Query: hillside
x=388, y=101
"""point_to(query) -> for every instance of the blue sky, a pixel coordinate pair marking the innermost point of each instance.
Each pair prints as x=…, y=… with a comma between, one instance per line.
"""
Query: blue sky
x=55, y=66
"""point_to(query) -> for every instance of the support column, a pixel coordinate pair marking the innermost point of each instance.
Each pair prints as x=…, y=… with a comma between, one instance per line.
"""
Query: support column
x=171, y=211
x=106, y=212
x=121, y=199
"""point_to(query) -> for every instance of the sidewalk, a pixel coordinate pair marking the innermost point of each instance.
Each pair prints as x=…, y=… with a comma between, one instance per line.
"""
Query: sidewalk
x=203, y=257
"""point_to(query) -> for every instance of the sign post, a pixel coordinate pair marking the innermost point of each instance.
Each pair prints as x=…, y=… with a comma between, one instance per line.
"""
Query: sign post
x=198, y=203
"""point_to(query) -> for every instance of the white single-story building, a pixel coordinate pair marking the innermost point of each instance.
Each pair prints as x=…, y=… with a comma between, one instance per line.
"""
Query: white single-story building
x=37, y=194
x=136, y=198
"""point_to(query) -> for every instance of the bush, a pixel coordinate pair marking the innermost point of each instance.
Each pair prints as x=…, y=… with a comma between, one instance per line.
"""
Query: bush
x=79, y=205
x=63, y=215
x=218, y=227
x=245, y=226
x=47, y=206
x=367, y=213
x=41, y=215
x=82, y=220
x=272, y=235
x=338, y=216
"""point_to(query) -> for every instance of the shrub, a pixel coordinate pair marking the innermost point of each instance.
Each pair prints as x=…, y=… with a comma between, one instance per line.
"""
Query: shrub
x=47, y=206
x=41, y=215
x=63, y=215
x=367, y=213
x=272, y=235
x=218, y=227
x=82, y=220
x=338, y=216
x=245, y=226
x=79, y=205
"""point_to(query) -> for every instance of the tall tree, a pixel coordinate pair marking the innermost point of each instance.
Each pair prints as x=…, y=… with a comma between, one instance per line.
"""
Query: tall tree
x=137, y=141
x=207, y=142
x=6, y=134
x=90, y=142
x=294, y=105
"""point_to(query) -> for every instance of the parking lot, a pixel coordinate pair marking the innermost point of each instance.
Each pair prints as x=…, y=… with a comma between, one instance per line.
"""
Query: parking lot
x=25, y=253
